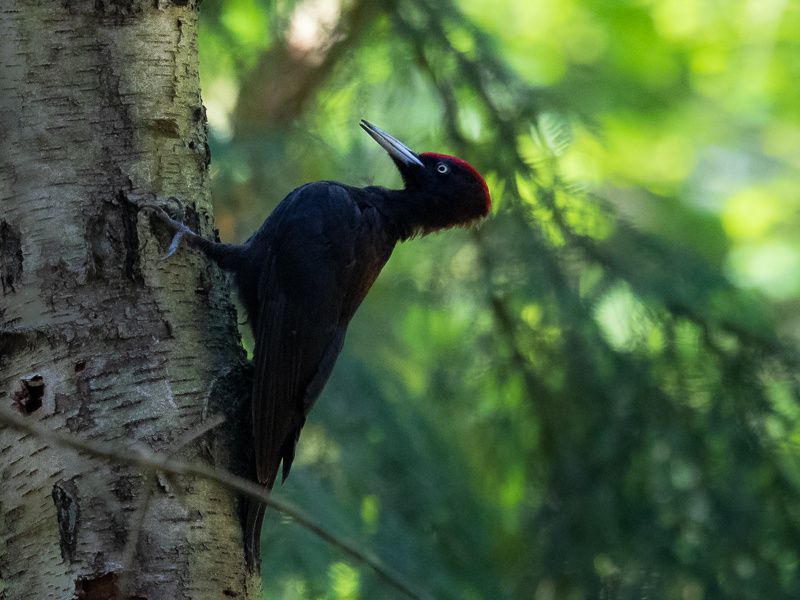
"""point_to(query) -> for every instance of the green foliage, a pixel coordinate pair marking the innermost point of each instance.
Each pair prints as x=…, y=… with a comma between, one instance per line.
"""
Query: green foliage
x=594, y=394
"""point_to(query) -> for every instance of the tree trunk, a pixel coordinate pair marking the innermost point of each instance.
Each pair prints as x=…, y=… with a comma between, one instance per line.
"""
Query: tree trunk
x=100, y=99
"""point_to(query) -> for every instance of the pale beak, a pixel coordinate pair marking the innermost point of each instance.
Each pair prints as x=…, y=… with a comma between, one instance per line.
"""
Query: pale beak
x=401, y=153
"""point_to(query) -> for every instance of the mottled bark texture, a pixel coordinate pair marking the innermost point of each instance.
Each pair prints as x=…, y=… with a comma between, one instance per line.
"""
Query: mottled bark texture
x=98, y=337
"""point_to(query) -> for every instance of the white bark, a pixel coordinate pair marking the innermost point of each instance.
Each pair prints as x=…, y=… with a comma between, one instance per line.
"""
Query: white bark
x=98, y=99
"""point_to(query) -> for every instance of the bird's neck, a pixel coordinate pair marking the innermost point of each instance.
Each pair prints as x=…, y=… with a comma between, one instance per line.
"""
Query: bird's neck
x=408, y=213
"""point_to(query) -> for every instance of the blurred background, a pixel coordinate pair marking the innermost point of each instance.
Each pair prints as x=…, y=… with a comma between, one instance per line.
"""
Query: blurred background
x=594, y=394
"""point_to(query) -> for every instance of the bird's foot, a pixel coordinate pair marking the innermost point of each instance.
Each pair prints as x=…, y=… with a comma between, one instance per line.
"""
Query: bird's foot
x=158, y=207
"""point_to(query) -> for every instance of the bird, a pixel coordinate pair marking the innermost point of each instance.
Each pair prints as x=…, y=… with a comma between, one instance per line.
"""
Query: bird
x=304, y=272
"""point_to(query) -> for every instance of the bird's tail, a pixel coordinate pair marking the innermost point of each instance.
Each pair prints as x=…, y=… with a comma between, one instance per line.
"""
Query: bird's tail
x=253, y=520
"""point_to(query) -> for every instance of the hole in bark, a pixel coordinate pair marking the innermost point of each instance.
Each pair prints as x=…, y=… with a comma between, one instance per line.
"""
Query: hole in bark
x=80, y=366
x=28, y=398
x=10, y=257
x=230, y=593
x=100, y=587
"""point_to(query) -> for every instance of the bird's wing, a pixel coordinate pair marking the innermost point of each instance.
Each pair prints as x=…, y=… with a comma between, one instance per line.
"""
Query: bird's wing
x=299, y=329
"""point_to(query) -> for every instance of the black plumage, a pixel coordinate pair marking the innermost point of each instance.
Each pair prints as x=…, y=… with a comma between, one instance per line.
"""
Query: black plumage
x=304, y=273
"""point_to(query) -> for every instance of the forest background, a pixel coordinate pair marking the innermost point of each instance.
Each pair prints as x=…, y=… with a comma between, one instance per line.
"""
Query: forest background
x=593, y=394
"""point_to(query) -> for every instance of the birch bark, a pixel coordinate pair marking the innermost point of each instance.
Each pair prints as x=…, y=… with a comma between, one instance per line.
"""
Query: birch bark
x=98, y=337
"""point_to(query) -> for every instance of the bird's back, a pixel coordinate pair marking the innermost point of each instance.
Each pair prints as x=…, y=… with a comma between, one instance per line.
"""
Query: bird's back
x=311, y=265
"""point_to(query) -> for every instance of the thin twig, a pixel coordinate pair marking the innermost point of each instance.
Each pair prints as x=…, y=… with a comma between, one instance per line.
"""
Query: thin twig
x=137, y=518
x=151, y=461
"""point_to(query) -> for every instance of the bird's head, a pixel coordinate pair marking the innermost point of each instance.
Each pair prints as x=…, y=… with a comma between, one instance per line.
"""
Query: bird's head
x=452, y=190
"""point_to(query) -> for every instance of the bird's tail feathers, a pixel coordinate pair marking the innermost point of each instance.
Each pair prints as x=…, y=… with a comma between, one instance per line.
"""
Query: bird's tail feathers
x=253, y=520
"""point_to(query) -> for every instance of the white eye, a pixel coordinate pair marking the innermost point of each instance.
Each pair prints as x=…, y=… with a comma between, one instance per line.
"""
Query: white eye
x=442, y=168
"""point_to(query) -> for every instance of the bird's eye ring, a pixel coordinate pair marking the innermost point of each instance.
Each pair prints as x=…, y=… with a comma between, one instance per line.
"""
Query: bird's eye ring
x=442, y=168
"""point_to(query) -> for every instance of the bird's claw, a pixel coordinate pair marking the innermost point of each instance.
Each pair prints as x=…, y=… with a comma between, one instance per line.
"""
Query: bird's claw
x=150, y=204
x=176, y=240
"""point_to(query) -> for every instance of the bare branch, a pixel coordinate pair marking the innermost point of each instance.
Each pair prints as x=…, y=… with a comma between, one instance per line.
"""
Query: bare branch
x=289, y=73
